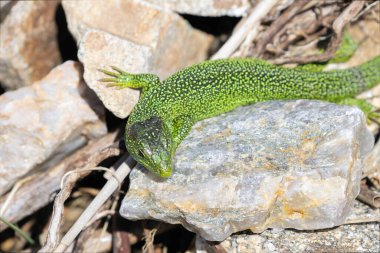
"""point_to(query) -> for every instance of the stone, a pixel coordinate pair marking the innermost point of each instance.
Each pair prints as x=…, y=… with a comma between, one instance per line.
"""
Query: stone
x=28, y=44
x=42, y=123
x=37, y=190
x=279, y=164
x=137, y=37
x=100, y=50
x=361, y=237
x=235, y=8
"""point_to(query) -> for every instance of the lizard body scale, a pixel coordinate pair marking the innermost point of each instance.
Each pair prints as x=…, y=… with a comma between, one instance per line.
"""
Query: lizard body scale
x=167, y=110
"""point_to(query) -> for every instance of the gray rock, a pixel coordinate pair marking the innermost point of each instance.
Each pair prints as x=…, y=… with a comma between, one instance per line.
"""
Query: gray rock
x=361, y=237
x=138, y=37
x=42, y=123
x=279, y=164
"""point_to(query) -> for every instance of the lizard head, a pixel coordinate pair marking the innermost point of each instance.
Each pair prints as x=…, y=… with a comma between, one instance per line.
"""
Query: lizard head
x=151, y=144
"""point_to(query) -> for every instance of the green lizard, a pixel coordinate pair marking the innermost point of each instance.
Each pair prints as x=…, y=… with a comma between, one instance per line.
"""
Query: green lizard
x=167, y=110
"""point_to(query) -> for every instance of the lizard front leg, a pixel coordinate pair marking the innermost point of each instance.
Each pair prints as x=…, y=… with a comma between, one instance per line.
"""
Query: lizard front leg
x=122, y=79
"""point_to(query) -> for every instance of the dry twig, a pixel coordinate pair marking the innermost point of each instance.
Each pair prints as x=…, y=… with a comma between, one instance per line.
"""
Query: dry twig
x=363, y=220
x=53, y=234
x=149, y=238
x=94, y=206
x=244, y=27
x=349, y=13
x=277, y=25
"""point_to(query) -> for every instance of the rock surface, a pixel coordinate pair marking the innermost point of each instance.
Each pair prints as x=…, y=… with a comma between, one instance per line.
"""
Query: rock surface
x=208, y=8
x=137, y=37
x=279, y=164
x=100, y=50
x=28, y=45
x=45, y=121
x=361, y=237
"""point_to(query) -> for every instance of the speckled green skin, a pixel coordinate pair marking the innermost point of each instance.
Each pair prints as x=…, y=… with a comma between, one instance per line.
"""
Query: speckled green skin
x=167, y=110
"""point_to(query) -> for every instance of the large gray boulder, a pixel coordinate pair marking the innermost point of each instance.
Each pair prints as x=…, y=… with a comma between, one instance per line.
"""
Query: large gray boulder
x=280, y=164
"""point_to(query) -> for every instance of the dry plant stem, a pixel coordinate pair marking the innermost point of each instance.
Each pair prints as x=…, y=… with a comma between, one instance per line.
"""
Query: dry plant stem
x=350, y=12
x=12, y=193
x=55, y=223
x=251, y=22
x=277, y=25
x=94, y=206
x=149, y=238
x=364, y=220
x=368, y=8
x=31, y=195
x=85, y=236
x=368, y=196
x=100, y=215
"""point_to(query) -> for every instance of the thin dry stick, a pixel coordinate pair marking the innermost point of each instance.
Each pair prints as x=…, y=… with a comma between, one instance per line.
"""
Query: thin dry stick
x=10, y=196
x=94, y=206
x=362, y=220
x=278, y=24
x=351, y=11
x=368, y=8
x=252, y=21
x=55, y=223
x=149, y=238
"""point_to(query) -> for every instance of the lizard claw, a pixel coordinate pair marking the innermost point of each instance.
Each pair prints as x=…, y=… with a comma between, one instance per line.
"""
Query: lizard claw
x=118, y=70
x=106, y=80
x=107, y=72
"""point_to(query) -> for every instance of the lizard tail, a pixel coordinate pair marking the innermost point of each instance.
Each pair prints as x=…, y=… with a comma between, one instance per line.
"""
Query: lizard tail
x=371, y=72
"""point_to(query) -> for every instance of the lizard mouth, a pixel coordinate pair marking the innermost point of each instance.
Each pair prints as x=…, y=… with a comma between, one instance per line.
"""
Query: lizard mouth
x=165, y=172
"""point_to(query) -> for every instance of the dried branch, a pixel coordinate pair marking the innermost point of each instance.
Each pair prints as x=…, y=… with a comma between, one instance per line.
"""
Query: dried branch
x=149, y=238
x=277, y=25
x=244, y=27
x=29, y=195
x=349, y=13
x=94, y=206
x=53, y=234
x=362, y=220
x=89, y=232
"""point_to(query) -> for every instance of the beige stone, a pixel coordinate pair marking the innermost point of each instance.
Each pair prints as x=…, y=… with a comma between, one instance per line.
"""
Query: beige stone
x=42, y=123
x=28, y=45
x=100, y=50
x=137, y=37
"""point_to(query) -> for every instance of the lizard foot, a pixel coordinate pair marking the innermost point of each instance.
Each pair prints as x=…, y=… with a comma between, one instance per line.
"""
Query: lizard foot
x=121, y=79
